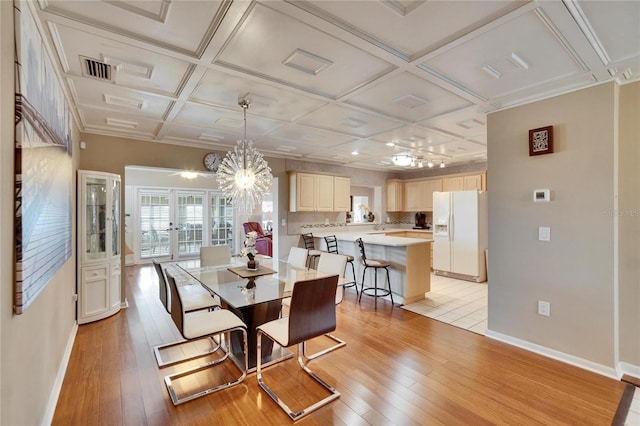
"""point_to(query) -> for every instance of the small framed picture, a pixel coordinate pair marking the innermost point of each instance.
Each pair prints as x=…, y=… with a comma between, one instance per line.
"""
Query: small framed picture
x=541, y=141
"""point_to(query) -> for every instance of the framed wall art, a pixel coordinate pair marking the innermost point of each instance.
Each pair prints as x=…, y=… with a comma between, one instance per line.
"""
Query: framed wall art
x=43, y=164
x=541, y=141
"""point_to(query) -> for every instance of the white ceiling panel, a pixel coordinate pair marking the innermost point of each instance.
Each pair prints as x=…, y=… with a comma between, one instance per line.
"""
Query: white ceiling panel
x=413, y=137
x=330, y=77
x=414, y=27
x=520, y=53
x=615, y=27
x=348, y=121
x=224, y=120
x=99, y=95
x=468, y=122
x=118, y=123
x=282, y=49
x=407, y=97
x=133, y=67
x=181, y=25
x=223, y=89
x=302, y=135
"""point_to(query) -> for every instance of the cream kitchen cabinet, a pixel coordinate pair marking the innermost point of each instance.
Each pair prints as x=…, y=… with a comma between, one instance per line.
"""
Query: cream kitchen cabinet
x=310, y=192
x=414, y=192
x=430, y=186
x=99, y=242
x=341, y=194
x=455, y=183
x=395, y=196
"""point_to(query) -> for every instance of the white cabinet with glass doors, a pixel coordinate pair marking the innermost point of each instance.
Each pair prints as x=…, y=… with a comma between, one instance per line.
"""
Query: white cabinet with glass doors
x=99, y=243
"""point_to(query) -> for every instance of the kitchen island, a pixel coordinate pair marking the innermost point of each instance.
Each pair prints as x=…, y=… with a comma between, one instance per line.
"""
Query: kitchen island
x=410, y=271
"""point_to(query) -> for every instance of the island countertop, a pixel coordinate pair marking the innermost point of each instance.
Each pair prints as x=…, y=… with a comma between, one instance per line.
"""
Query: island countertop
x=377, y=237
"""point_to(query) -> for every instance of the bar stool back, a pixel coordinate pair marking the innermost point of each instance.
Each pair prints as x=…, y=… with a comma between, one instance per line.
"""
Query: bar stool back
x=310, y=245
x=332, y=247
x=376, y=264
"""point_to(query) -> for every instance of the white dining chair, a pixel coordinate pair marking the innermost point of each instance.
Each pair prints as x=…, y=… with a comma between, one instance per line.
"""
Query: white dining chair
x=215, y=255
x=298, y=257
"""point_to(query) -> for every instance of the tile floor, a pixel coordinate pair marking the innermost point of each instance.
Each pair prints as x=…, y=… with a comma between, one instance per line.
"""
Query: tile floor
x=456, y=302
x=633, y=417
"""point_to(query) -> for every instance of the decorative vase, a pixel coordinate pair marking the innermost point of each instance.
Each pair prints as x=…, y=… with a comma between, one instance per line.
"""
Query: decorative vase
x=252, y=264
x=371, y=217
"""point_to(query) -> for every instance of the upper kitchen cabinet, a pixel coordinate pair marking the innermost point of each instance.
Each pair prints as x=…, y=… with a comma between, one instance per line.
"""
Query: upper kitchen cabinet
x=431, y=186
x=309, y=192
x=465, y=182
x=395, y=199
x=341, y=194
x=414, y=199
x=454, y=183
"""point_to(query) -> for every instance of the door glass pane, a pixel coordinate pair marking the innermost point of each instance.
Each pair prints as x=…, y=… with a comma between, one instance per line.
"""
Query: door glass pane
x=154, y=224
x=189, y=221
x=95, y=226
x=115, y=214
x=221, y=221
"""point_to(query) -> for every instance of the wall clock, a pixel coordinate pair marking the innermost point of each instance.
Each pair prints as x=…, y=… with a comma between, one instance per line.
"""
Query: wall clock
x=212, y=161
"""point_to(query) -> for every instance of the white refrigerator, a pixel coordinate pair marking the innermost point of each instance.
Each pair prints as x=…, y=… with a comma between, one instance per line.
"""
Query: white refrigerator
x=460, y=234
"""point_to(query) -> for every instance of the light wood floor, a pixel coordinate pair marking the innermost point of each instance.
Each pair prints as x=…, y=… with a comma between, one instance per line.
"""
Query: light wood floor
x=397, y=368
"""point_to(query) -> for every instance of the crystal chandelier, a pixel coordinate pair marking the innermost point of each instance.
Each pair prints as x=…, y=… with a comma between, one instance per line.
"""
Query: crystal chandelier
x=244, y=176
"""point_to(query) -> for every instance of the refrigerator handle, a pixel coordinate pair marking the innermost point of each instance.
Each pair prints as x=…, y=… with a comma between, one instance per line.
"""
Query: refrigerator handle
x=451, y=226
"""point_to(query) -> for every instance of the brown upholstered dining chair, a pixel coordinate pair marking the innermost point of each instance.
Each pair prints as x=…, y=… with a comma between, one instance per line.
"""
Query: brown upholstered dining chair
x=205, y=325
x=194, y=298
x=312, y=313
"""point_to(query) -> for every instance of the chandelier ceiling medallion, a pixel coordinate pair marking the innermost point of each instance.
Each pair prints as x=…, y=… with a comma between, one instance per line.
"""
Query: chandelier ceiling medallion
x=244, y=176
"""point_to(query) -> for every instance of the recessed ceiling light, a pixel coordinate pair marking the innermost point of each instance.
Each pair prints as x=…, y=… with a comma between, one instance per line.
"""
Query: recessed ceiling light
x=391, y=143
x=355, y=153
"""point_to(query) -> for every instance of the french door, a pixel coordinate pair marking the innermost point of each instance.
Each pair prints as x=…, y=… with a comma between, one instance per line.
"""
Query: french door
x=173, y=224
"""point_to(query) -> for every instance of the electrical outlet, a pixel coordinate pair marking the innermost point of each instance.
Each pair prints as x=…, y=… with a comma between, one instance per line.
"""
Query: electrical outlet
x=544, y=308
x=284, y=222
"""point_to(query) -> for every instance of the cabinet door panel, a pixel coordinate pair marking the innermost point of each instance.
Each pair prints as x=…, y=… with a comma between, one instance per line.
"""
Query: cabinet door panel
x=472, y=182
x=324, y=193
x=453, y=184
x=341, y=193
x=305, y=192
x=414, y=195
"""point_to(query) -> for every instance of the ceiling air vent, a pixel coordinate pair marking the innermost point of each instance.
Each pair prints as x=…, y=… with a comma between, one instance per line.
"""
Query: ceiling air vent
x=96, y=69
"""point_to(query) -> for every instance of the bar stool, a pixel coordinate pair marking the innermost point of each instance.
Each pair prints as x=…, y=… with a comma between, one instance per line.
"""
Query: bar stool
x=332, y=247
x=313, y=254
x=376, y=264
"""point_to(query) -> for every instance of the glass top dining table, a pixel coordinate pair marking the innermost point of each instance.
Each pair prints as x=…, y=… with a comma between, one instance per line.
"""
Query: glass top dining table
x=254, y=306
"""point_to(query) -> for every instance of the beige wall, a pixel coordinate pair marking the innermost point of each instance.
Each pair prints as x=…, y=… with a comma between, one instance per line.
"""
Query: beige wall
x=32, y=344
x=629, y=223
x=575, y=270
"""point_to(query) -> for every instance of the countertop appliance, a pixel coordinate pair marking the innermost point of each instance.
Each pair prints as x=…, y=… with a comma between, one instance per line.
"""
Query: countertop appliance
x=421, y=221
x=460, y=234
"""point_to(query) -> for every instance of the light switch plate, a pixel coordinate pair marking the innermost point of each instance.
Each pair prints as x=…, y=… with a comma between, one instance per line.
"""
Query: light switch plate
x=544, y=233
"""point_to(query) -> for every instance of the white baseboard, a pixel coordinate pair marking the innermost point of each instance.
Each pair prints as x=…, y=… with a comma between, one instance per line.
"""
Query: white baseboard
x=57, y=385
x=628, y=369
x=551, y=353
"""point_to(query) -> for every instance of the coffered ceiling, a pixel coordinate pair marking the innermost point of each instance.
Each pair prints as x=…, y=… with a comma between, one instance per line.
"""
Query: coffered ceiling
x=330, y=78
